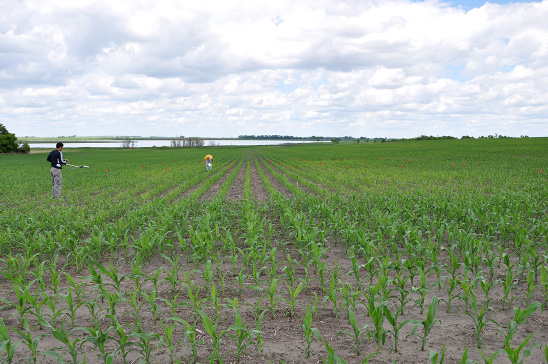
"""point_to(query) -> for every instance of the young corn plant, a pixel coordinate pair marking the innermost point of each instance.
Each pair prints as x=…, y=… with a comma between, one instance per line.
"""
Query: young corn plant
x=396, y=327
x=478, y=317
x=216, y=335
x=292, y=300
x=332, y=294
x=168, y=339
x=273, y=298
x=376, y=313
x=30, y=341
x=6, y=345
x=520, y=316
x=99, y=338
x=123, y=340
x=436, y=358
x=310, y=333
x=357, y=334
x=427, y=324
x=64, y=336
x=544, y=283
x=239, y=333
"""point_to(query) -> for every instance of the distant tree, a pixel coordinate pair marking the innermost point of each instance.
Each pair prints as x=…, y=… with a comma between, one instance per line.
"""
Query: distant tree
x=335, y=141
x=24, y=148
x=178, y=142
x=127, y=143
x=8, y=141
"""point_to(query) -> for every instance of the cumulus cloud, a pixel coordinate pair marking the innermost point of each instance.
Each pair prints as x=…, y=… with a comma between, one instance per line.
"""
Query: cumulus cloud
x=394, y=68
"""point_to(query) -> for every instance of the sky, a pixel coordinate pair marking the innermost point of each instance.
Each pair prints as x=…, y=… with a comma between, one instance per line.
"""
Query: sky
x=224, y=68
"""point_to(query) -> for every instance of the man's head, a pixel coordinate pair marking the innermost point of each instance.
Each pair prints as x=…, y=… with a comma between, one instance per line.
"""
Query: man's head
x=210, y=158
x=59, y=146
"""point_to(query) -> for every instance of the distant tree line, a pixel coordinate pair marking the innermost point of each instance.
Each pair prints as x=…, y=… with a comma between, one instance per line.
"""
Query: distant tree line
x=9, y=144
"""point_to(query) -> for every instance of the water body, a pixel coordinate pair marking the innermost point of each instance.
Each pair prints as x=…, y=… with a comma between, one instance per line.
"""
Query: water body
x=166, y=143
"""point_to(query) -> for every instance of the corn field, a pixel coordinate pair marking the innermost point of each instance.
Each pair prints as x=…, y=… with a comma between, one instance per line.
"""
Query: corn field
x=401, y=252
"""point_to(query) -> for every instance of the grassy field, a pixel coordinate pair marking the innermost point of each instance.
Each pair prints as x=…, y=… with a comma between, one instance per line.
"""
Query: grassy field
x=401, y=252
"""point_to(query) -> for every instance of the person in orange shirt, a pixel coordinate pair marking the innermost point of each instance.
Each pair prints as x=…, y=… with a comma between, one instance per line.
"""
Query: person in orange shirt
x=208, y=162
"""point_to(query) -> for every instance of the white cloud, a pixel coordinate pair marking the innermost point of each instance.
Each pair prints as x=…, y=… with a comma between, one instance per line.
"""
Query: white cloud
x=223, y=68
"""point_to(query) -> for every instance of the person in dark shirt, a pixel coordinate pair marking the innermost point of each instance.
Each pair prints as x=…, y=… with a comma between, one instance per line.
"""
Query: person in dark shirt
x=57, y=161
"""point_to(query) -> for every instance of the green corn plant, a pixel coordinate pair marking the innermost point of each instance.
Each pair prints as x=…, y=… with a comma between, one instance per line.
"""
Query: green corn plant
x=332, y=358
x=172, y=275
x=173, y=304
x=168, y=339
x=136, y=275
x=30, y=341
x=544, y=283
x=520, y=316
x=240, y=280
x=292, y=300
x=239, y=333
x=208, y=274
x=145, y=343
x=478, y=317
x=310, y=333
x=78, y=289
x=273, y=298
x=55, y=277
x=189, y=336
x=399, y=282
x=357, y=334
x=487, y=287
x=23, y=295
x=427, y=323
x=133, y=300
x=6, y=345
x=305, y=280
x=154, y=309
x=376, y=313
x=436, y=358
x=94, y=308
x=51, y=302
x=487, y=360
x=259, y=343
x=112, y=273
x=396, y=327
x=509, y=283
x=123, y=340
x=99, y=338
x=194, y=301
x=257, y=306
x=451, y=285
x=351, y=296
x=154, y=278
x=112, y=299
x=64, y=337
x=216, y=335
x=332, y=294
x=422, y=290
x=531, y=286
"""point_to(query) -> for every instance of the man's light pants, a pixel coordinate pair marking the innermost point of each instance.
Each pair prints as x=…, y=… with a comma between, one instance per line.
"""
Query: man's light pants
x=209, y=166
x=56, y=182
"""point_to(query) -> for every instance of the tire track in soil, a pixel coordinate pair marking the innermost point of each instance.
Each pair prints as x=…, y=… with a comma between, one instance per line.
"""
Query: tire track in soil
x=295, y=183
x=258, y=189
x=214, y=189
x=191, y=190
x=236, y=191
x=275, y=183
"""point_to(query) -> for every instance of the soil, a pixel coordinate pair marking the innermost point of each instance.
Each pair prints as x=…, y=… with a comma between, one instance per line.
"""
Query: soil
x=283, y=338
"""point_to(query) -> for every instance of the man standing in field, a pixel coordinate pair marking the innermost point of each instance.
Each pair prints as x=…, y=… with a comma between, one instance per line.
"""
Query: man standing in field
x=208, y=161
x=55, y=157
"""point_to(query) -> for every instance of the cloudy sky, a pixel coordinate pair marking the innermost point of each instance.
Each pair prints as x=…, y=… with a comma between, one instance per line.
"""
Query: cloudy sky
x=222, y=68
